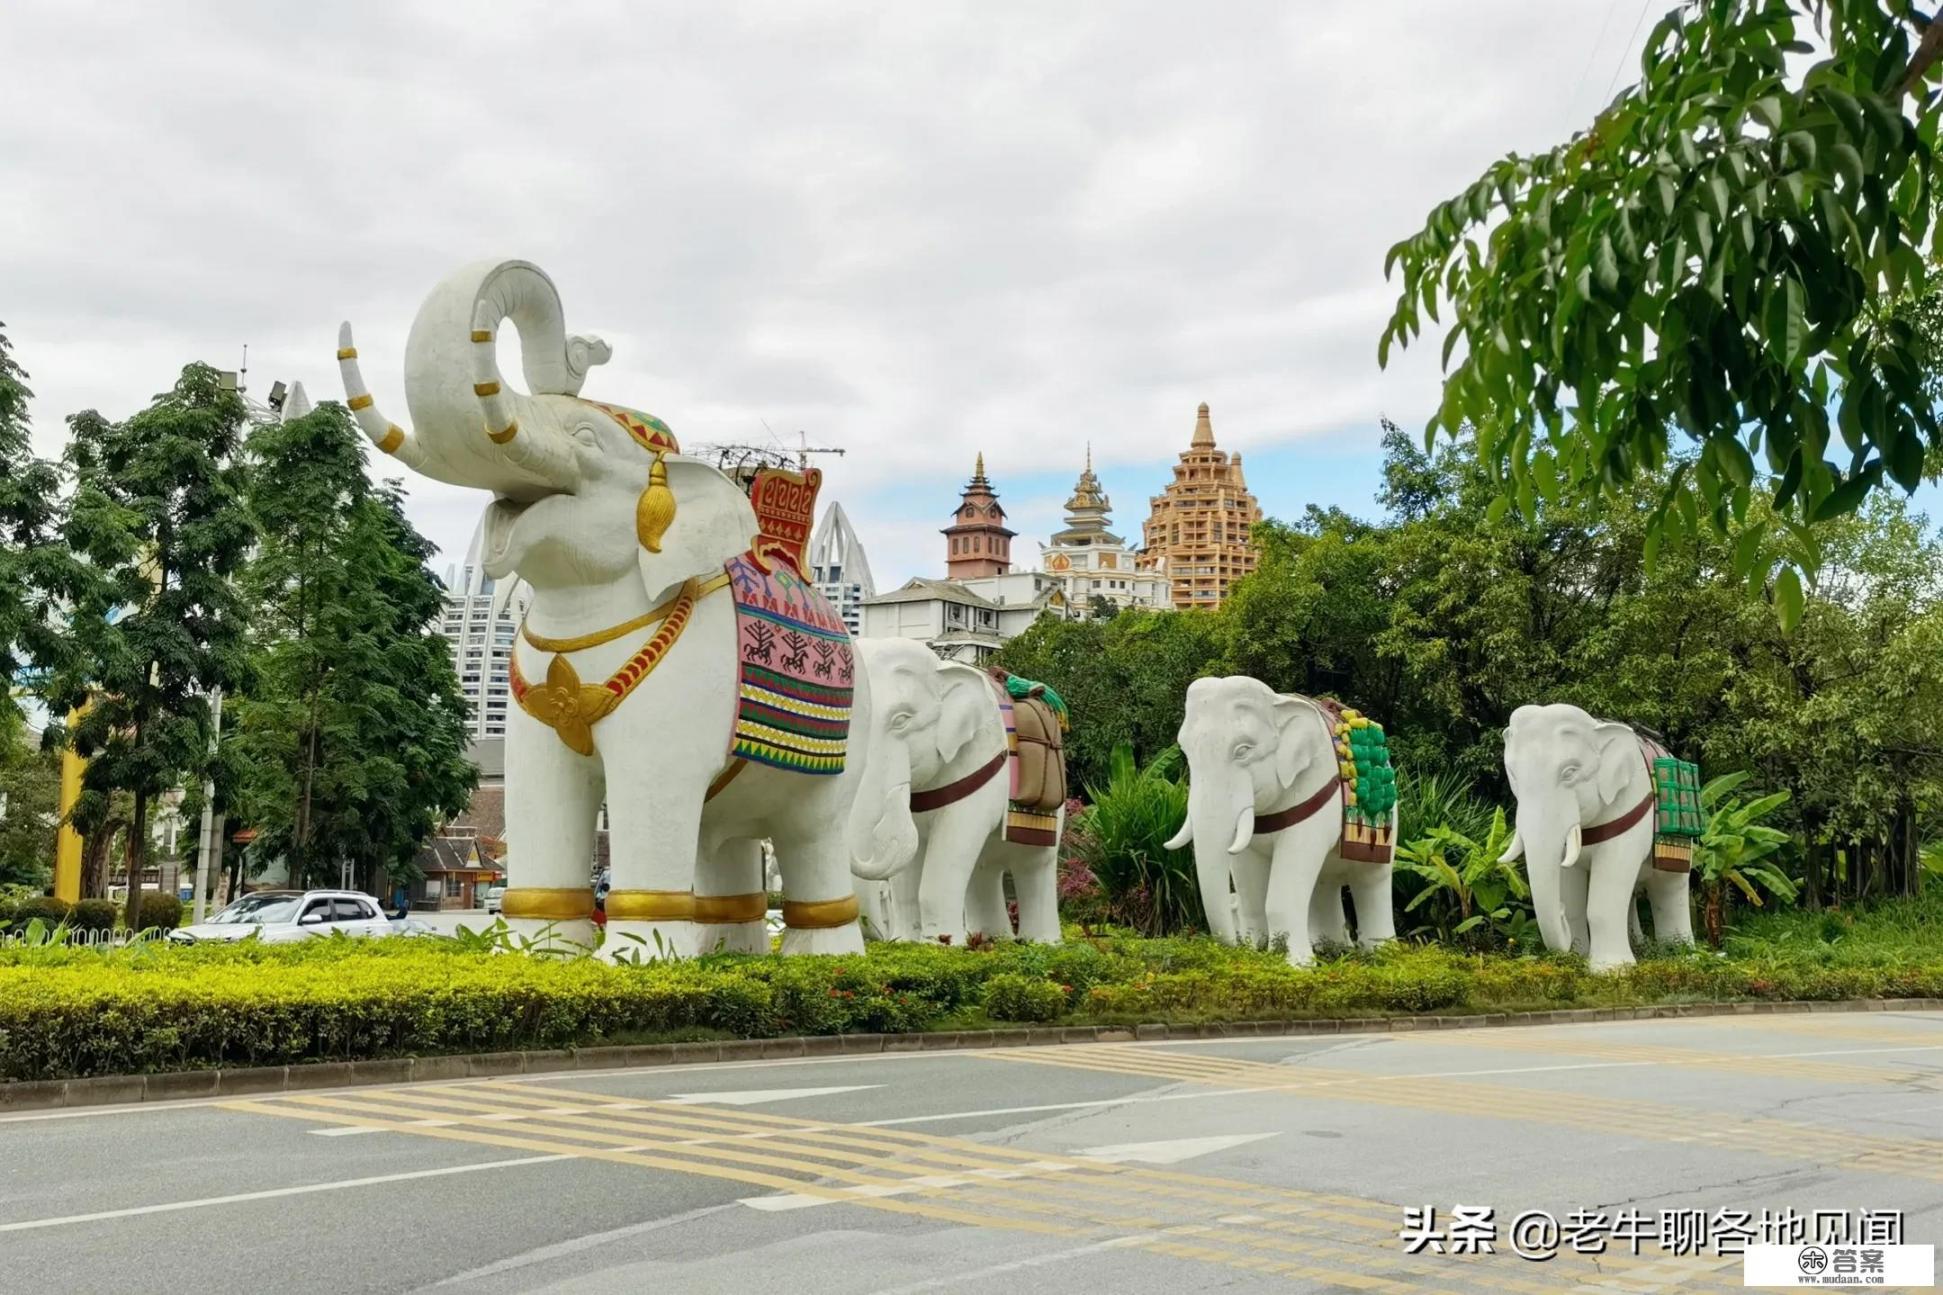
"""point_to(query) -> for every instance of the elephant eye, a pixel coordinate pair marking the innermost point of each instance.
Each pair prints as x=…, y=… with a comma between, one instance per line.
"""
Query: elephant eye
x=900, y=721
x=1569, y=774
x=584, y=433
x=1243, y=750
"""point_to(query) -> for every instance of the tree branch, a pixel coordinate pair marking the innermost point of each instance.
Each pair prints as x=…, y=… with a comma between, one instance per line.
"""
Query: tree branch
x=1928, y=51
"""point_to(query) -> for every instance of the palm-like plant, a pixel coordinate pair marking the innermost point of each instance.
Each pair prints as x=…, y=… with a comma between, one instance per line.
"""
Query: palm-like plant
x=1737, y=850
x=1123, y=840
x=1460, y=871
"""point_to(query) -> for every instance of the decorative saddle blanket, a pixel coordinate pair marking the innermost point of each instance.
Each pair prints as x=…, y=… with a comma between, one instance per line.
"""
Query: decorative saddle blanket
x=797, y=670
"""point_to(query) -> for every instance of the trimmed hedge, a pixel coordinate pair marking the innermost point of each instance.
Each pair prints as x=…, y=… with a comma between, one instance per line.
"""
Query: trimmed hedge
x=46, y=907
x=160, y=911
x=67, y=1011
x=94, y=915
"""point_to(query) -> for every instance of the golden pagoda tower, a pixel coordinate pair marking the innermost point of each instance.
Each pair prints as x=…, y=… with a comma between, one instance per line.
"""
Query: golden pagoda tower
x=1197, y=530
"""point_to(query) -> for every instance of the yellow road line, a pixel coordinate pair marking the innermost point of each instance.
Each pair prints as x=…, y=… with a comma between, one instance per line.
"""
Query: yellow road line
x=1742, y=1063
x=731, y=1174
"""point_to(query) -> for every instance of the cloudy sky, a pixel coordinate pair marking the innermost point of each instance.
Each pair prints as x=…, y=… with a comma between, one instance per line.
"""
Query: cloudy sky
x=916, y=231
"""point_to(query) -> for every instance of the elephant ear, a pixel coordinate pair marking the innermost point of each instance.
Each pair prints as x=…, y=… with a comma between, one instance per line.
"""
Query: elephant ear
x=712, y=523
x=963, y=699
x=1292, y=753
x=1618, y=754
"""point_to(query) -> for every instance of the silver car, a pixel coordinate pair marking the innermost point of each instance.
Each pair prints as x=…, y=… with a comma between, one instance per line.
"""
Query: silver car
x=284, y=916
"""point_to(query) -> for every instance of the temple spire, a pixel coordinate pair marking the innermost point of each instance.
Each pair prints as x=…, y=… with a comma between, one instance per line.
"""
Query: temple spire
x=1203, y=429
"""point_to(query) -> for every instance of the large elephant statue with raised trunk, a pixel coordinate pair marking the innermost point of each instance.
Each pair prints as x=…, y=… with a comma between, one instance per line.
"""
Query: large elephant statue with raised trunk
x=1272, y=808
x=935, y=818
x=673, y=664
x=1589, y=830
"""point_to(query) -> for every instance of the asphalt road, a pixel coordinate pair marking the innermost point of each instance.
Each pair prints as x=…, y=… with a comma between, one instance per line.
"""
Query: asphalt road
x=1237, y=1165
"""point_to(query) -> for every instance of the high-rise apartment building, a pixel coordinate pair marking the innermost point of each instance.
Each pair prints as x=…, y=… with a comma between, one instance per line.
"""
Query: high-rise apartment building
x=839, y=569
x=1197, y=531
x=482, y=644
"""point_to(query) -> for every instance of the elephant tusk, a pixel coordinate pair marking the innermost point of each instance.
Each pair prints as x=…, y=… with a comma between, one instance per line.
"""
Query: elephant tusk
x=1181, y=838
x=1244, y=832
x=381, y=431
x=1573, y=842
x=1514, y=851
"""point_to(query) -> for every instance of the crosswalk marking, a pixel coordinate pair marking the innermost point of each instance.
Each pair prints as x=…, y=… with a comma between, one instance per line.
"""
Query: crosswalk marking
x=1344, y=1241
x=1631, y=1117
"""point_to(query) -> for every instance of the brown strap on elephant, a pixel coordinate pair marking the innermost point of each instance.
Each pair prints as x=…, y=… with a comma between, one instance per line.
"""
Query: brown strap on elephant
x=1607, y=831
x=953, y=792
x=1296, y=813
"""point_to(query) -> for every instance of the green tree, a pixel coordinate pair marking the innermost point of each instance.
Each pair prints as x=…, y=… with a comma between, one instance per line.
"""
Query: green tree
x=349, y=746
x=30, y=788
x=1729, y=249
x=157, y=516
x=31, y=569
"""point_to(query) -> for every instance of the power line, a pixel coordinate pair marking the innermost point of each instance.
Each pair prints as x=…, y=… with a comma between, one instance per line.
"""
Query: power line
x=1593, y=53
x=1628, y=49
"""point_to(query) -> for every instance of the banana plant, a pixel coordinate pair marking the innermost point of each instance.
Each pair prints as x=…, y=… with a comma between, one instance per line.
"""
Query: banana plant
x=1737, y=850
x=1460, y=870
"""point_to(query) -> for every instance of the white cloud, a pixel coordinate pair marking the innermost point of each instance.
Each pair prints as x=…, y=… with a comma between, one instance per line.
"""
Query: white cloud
x=916, y=231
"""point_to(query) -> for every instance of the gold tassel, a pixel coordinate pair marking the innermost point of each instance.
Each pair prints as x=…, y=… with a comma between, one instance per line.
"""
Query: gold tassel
x=654, y=512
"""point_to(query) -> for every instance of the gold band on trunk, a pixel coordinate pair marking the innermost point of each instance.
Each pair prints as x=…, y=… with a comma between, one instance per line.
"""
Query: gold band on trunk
x=556, y=904
x=731, y=908
x=651, y=905
x=820, y=914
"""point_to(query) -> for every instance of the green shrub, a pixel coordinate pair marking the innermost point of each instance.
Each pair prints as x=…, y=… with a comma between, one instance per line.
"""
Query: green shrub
x=7, y=907
x=160, y=911
x=1012, y=997
x=1122, y=839
x=45, y=907
x=93, y=915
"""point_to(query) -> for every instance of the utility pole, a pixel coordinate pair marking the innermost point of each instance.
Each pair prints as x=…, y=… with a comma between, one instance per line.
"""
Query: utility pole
x=206, y=850
x=804, y=449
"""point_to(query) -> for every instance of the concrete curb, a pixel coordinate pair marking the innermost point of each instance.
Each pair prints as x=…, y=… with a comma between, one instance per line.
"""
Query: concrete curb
x=118, y=1090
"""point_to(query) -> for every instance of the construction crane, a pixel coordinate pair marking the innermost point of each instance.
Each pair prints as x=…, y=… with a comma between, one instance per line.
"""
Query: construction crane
x=740, y=462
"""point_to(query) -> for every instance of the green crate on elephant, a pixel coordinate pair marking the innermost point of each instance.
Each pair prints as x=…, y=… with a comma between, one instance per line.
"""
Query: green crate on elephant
x=1676, y=786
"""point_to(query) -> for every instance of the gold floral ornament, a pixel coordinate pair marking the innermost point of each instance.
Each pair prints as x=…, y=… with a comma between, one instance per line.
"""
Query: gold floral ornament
x=571, y=708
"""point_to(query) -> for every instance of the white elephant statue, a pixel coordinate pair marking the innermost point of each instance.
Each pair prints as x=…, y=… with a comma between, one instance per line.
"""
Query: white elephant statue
x=1266, y=808
x=636, y=680
x=1586, y=822
x=934, y=813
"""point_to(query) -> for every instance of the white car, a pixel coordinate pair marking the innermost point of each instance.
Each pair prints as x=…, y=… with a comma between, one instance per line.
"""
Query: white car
x=494, y=896
x=283, y=916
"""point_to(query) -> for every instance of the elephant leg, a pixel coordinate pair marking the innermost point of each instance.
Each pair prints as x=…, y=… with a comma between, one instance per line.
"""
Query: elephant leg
x=957, y=839
x=985, y=911
x=552, y=799
x=819, y=895
x=1327, y=923
x=1572, y=886
x=1292, y=877
x=1035, y=878
x=904, y=901
x=731, y=903
x=1635, y=933
x=1609, y=893
x=1672, y=909
x=654, y=845
x=1250, y=869
x=874, y=908
x=1369, y=885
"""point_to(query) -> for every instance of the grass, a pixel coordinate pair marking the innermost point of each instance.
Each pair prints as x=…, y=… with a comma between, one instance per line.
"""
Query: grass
x=74, y=1012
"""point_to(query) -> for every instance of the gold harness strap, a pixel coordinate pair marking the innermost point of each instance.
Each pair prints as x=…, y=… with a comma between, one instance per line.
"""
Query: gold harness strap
x=571, y=708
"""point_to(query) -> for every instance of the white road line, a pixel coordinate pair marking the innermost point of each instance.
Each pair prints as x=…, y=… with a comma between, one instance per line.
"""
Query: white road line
x=274, y=1193
x=1016, y=1265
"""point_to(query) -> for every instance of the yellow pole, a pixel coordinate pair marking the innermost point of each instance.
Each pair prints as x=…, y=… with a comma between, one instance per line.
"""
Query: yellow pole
x=67, y=851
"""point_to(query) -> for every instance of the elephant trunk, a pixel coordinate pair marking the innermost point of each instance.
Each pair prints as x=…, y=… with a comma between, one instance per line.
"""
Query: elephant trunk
x=476, y=431
x=1548, y=847
x=1222, y=825
x=883, y=835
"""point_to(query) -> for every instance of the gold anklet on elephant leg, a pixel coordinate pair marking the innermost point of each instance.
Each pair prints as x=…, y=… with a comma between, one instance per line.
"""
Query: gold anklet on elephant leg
x=651, y=905
x=551, y=904
x=819, y=914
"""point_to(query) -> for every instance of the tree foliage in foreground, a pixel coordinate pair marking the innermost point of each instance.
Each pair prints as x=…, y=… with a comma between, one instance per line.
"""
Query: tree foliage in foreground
x=1733, y=248
x=349, y=747
x=29, y=512
x=157, y=517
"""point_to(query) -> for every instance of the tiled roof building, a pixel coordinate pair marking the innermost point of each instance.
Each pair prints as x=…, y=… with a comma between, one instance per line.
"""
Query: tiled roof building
x=1197, y=531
